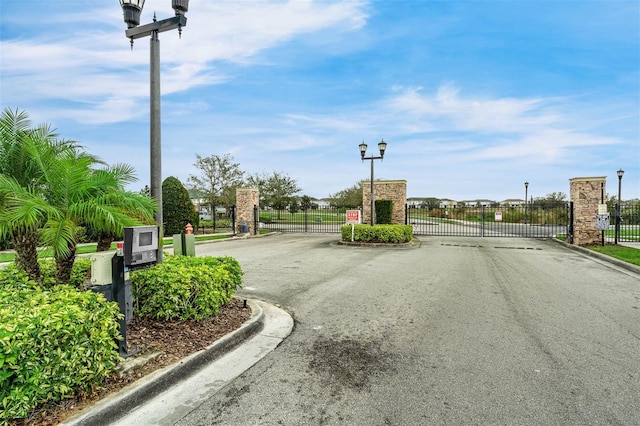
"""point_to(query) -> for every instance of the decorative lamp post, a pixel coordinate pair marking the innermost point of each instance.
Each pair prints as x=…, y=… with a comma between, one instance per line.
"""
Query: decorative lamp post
x=382, y=146
x=131, y=10
x=617, y=231
x=526, y=190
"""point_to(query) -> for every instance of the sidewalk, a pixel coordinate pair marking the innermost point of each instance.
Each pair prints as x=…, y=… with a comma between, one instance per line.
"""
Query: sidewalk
x=169, y=394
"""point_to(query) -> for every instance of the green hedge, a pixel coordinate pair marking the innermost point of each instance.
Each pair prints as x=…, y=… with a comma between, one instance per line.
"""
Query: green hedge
x=52, y=342
x=185, y=288
x=79, y=273
x=384, y=211
x=395, y=234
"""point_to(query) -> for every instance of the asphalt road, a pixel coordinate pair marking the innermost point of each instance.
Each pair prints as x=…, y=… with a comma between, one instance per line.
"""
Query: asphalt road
x=458, y=331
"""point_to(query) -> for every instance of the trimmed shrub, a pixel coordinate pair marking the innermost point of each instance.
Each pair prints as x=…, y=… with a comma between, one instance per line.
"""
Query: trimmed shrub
x=79, y=273
x=177, y=207
x=383, y=211
x=52, y=342
x=185, y=288
x=394, y=234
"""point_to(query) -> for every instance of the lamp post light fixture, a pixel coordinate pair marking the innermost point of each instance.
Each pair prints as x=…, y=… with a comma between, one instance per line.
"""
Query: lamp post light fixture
x=131, y=10
x=382, y=146
x=526, y=191
x=617, y=231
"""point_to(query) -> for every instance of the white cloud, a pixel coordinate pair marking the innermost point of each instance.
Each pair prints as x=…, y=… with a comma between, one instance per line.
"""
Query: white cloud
x=97, y=70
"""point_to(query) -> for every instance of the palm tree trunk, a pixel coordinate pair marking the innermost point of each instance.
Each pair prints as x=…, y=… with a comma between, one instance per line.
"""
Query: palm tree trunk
x=64, y=266
x=104, y=241
x=26, y=246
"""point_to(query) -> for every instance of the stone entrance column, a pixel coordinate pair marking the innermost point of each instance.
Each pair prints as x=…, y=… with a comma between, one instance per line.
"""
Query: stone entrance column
x=394, y=190
x=586, y=194
x=246, y=199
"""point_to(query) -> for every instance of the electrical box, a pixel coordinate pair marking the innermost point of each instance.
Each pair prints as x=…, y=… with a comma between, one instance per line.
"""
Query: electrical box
x=140, y=246
x=184, y=245
x=101, y=267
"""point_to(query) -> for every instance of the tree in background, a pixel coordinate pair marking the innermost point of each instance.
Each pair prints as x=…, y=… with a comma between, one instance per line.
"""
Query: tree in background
x=218, y=179
x=350, y=197
x=553, y=200
x=306, y=202
x=276, y=190
x=430, y=203
x=177, y=207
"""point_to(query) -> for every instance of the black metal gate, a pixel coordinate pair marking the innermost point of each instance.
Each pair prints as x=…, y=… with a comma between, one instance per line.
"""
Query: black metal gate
x=321, y=220
x=484, y=221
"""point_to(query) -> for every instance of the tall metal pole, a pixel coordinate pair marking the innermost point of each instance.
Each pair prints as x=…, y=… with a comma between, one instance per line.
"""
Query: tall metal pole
x=371, y=198
x=526, y=189
x=617, y=231
x=602, y=202
x=155, y=140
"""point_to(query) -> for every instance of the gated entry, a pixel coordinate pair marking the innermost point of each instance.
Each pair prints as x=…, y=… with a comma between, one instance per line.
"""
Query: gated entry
x=323, y=220
x=489, y=221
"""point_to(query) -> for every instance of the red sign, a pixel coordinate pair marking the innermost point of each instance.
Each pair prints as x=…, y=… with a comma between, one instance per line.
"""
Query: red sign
x=353, y=216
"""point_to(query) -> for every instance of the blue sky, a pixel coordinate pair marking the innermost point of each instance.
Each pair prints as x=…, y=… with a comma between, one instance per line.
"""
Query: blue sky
x=473, y=98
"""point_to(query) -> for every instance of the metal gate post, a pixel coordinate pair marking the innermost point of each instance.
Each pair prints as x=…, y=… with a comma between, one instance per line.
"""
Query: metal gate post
x=482, y=220
x=570, y=224
x=233, y=219
x=306, y=220
x=255, y=220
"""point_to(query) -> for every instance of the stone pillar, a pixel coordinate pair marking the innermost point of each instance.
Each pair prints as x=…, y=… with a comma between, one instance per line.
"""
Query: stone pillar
x=246, y=198
x=394, y=190
x=586, y=194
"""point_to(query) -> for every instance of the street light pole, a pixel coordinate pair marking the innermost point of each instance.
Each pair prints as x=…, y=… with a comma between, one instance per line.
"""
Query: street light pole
x=382, y=146
x=155, y=135
x=526, y=194
x=617, y=231
x=132, y=10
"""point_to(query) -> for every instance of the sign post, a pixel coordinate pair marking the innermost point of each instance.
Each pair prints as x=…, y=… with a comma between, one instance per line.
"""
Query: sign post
x=353, y=218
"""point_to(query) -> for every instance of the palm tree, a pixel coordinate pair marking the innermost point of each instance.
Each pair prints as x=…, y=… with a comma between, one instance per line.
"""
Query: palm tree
x=18, y=170
x=66, y=190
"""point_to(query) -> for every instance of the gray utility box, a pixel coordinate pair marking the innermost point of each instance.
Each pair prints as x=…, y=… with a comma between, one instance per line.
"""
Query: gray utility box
x=184, y=244
x=101, y=267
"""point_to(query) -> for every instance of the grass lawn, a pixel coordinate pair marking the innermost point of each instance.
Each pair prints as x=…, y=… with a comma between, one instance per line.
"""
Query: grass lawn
x=626, y=254
x=91, y=248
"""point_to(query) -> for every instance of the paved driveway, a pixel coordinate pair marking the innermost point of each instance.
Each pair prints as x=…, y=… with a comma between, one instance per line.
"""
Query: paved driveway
x=457, y=331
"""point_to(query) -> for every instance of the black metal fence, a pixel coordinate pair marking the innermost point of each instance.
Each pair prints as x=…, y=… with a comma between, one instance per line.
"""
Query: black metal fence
x=629, y=223
x=520, y=221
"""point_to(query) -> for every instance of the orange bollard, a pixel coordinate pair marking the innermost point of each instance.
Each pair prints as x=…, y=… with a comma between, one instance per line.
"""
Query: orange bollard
x=189, y=228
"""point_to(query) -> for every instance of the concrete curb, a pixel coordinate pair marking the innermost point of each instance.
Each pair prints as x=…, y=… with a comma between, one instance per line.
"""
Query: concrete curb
x=110, y=409
x=595, y=254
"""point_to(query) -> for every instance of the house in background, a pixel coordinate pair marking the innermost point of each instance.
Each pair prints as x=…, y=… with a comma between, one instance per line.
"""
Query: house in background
x=446, y=203
x=322, y=203
x=512, y=202
x=478, y=203
x=416, y=202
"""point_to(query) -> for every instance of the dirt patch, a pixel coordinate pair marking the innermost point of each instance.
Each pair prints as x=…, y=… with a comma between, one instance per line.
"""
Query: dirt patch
x=174, y=339
x=349, y=362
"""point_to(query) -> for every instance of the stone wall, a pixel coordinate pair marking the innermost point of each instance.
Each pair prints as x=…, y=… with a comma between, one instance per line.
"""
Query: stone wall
x=586, y=194
x=394, y=190
x=246, y=199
